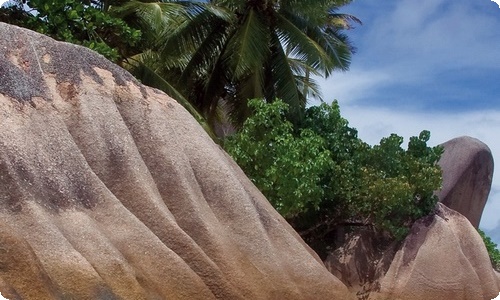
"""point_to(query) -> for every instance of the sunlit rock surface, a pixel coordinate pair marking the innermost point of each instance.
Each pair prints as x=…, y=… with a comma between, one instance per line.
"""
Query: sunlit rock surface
x=443, y=258
x=111, y=190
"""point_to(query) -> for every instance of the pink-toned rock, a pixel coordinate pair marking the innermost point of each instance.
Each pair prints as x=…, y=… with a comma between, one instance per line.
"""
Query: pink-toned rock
x=111, y=190
x=443, y=258
x=467, y=166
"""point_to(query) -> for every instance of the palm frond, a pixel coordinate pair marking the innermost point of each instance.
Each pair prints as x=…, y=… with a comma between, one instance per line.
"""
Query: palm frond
x=188, y=33
x=342, y=21
x=234, y=5
x=284, y=86
x=152, y=17
x=248, y=47
x=308, y=87
x=205, y=55
x=213, y=90
x=312, y=10
x=294, y=35
x=251, y=86
x=337, y=45
x=300, y=67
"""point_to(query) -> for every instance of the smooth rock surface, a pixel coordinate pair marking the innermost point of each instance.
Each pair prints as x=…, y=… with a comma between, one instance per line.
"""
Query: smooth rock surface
x=443, y=258
x=111, y=190
x=467, y=165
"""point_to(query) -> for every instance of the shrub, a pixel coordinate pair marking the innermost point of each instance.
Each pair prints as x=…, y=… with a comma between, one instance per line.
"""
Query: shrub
x=321, y=174
x=75, y=22
x=286, y=167
x=493, y=251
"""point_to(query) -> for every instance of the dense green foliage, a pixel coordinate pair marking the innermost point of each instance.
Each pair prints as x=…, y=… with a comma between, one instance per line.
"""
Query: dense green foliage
x=77, y=22
x=322, y=174
x=286, y=167
x=493, y=251
x=220, y=53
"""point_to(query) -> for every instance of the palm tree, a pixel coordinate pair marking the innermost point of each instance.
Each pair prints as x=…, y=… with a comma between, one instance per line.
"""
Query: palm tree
x=219, y=54
x=212, y=56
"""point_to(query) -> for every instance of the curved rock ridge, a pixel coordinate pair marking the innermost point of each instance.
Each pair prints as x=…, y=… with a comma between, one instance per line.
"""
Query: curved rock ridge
x=111, y=190
x=467, y=165
x=442, y=258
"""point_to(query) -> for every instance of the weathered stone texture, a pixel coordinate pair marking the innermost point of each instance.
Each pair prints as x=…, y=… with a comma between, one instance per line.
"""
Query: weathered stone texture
x=361, y=259
x=111, y=190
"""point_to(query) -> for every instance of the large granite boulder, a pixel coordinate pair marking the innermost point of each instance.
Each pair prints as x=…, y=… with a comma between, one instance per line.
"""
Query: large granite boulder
x=467, y=166
x=111, y=190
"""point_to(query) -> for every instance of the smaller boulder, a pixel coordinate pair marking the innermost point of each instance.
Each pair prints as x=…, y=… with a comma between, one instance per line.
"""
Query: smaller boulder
x=467, y=166
x=443, y=257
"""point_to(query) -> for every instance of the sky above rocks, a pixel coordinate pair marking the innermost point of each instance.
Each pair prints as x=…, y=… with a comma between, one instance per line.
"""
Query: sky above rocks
x=429, y=64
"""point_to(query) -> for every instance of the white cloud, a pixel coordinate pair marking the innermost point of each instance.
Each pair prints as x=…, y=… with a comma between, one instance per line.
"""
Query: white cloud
x=352, y=85
x=411, y=16
x=420, y=39
x=433, y=29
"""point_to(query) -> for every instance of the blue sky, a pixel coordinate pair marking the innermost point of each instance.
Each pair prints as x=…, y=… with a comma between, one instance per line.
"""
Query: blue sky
x=428, y=64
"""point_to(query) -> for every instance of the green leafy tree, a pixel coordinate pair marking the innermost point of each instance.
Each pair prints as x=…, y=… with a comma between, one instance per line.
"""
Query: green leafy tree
x=322, y=175
x=492, y=249
x=266, y=148
x=86, y=23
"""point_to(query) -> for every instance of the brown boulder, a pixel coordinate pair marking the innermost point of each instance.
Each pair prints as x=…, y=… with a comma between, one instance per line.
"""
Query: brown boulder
x=111, y=190
x=467, y=166
x=443, y=258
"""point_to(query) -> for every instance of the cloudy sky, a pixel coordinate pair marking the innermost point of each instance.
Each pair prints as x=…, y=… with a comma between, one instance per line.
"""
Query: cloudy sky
x=428, y=64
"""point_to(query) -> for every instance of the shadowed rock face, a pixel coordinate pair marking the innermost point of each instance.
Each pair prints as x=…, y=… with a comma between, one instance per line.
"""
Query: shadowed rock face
x=360, y=259
x=110, y=190
x=467, y=166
